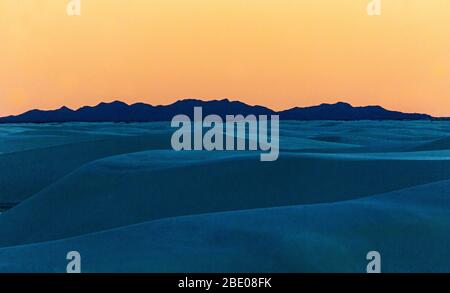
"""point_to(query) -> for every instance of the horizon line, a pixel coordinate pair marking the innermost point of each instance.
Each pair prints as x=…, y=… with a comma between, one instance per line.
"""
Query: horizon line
x=212, y=100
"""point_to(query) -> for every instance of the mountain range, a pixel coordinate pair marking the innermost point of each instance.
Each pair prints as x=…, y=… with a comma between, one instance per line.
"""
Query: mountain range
x=121, y=112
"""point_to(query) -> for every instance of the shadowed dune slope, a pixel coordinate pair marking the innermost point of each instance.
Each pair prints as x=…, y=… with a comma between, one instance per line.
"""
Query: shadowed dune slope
x=438, y=144
x=28, y=172
x=35, y=156
x=151, y=185
x=408, y=227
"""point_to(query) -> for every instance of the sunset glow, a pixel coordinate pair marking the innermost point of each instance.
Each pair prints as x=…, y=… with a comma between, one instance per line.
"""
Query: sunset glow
x=277, y=53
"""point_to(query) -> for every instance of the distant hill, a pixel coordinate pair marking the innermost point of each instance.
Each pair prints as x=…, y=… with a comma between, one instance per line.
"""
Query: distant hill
x=121, y=112
x=345, y=111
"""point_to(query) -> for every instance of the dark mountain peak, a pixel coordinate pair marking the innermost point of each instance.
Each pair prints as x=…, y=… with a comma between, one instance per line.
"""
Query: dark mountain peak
x=64, y=109
x=141, y=104
x=113, y=104
x=374, y=107
x=198, y=101
x=187, y=101
x=345, y=111
x=223, y=103
x=337, y=105
x=343, y=104
x=118, y=111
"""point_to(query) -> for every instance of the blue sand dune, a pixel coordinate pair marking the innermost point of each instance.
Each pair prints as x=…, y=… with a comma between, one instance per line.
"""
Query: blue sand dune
x=157, y=184
x=117, y=193
x=408, y=227
x=70, y=146
x=53, y=151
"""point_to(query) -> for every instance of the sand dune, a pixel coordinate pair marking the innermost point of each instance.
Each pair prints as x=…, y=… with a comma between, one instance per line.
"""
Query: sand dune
x=408, y=227
x=119, y=195
x=40, y=167
x=138, y=187
x=439, y=144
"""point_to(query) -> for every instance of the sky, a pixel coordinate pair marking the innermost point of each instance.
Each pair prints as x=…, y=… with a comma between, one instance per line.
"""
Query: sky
x=276, y=53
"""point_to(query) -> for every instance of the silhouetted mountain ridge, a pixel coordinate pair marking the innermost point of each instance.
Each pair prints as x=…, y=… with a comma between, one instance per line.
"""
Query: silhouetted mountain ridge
x=118, y=111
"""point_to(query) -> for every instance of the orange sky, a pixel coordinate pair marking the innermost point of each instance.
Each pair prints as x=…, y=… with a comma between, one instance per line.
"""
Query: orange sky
x=278, y=53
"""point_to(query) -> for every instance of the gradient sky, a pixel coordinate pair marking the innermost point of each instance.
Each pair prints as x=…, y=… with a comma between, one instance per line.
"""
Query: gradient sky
x=278, y=53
